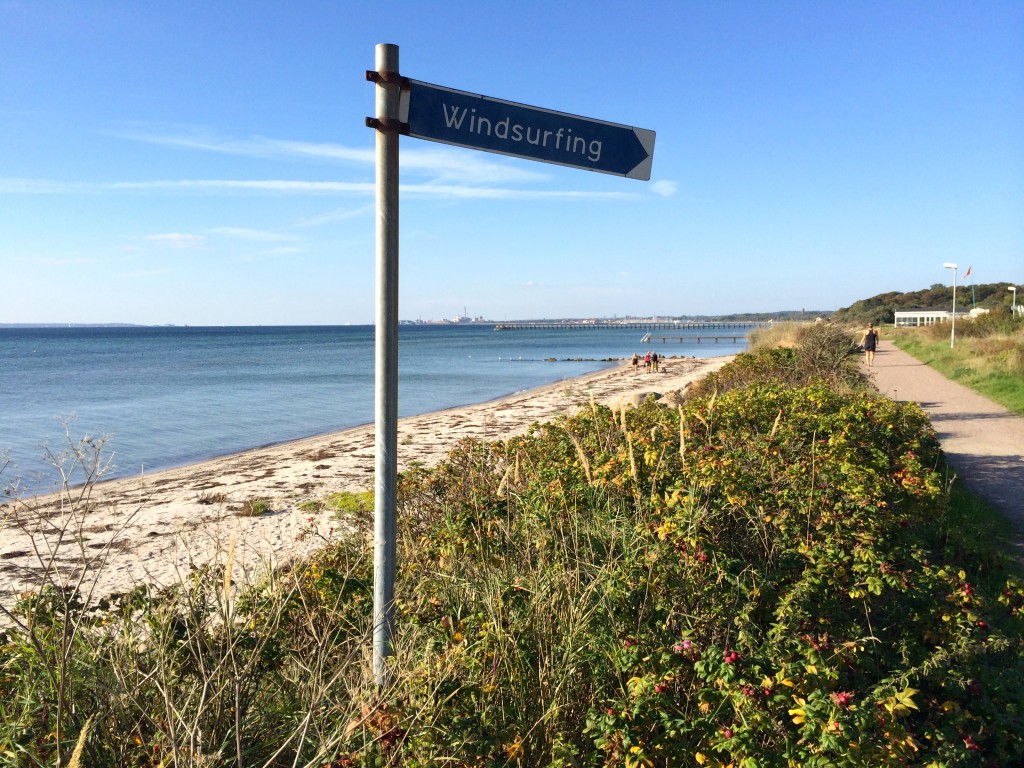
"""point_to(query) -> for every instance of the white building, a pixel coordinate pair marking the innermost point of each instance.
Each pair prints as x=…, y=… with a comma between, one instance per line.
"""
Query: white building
x=915, y=317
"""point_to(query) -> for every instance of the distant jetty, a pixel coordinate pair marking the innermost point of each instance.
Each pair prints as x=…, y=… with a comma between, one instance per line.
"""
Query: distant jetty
x=646, y=325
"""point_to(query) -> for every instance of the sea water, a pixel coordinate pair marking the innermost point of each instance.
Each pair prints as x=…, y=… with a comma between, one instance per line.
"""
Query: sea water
x=168, y=396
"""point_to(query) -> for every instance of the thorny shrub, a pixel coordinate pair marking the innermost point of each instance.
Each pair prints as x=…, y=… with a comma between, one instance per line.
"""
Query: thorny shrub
x=754, y=579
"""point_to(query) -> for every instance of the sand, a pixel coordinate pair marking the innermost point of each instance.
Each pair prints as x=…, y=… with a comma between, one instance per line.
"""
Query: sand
x=154, y=528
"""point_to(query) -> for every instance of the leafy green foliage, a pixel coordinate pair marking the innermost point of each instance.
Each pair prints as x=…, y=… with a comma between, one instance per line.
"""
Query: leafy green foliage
x=881, y=309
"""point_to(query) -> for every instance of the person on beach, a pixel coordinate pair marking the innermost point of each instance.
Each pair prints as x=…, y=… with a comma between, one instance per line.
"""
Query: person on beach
x=654, y=361
x=647, y=363
x=636, y=363
x=869, y=341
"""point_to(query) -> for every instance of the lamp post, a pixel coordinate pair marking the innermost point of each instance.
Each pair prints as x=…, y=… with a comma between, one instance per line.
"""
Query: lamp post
x=1013, y=307
x=952, y=330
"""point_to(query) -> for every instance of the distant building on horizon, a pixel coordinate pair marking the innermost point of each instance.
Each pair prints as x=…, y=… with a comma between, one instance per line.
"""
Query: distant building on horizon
x=909, y=318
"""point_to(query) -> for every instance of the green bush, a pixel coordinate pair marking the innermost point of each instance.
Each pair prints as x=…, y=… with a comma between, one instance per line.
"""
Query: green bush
x=767, y=575
x=997, y=322
x=814, y=353
x=602, y=572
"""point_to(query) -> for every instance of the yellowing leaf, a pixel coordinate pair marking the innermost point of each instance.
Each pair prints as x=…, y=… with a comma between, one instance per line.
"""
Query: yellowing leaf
x=901, y=702
x=514, y=749
x=635, y=687
x=798, y=713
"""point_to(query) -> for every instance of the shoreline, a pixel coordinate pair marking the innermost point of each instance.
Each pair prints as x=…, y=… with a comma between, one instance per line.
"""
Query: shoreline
x=153, y=528
x=610, y=364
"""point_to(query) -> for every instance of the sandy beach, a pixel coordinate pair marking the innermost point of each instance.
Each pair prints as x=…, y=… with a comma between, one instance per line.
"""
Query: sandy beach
x=154, y=528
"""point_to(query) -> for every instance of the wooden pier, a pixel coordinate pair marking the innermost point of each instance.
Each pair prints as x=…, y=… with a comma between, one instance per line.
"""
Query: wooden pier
x=698, y=339
x=648, y=325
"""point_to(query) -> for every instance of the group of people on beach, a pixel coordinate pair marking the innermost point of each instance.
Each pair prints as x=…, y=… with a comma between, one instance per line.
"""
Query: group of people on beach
x=650, y=361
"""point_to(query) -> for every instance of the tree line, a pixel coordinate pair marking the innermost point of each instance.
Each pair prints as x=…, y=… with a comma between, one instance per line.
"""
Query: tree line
x=882, y=308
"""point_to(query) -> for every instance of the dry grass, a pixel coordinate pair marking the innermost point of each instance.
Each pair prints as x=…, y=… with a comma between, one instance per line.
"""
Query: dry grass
x=992, y=364
x=785, y=335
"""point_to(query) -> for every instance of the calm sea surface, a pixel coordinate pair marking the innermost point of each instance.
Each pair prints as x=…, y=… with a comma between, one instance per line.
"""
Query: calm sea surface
x=165, y=397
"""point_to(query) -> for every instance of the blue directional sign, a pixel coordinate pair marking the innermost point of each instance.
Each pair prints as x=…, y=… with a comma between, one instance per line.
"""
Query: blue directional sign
x=480, y=122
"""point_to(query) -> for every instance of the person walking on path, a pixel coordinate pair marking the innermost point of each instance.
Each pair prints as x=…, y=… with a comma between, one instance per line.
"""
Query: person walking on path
x=635, y=363
x=982, y=440
x=869, y=341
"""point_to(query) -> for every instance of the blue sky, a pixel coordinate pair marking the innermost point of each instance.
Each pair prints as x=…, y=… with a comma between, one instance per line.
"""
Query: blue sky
x=197, y=162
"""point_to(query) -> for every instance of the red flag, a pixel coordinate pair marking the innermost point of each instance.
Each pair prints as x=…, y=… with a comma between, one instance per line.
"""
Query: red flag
x=967, y=273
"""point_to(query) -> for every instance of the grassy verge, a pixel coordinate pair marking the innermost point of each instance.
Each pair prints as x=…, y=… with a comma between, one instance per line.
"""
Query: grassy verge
x=992, y=364
x=775, y=573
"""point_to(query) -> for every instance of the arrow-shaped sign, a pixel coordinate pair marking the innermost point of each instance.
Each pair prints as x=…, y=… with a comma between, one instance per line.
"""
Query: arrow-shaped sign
x=480, y=122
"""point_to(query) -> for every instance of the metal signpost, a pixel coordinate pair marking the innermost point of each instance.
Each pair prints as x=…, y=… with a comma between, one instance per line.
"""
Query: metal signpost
x=469, y=120
x=385, y=358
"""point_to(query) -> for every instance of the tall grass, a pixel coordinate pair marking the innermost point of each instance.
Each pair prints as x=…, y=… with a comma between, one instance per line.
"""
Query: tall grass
x=190, y=675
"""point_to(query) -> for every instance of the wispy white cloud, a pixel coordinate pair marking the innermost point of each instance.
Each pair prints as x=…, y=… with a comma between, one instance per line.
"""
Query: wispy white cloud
x=58, y=261
x=251, y=185
x=15, y=186
x=449, y=165
x=664, y=188
x=177, y=239
x=339, y=214
x=272, y=253
x=442, y=164
x=258, y=235
x=503, y=193
x=436, y=171
x=290, y=186
x=253, y=146
x=142, y=274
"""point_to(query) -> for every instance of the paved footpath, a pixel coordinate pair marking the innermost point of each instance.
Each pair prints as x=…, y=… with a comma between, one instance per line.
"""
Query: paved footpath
x=983, y=441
